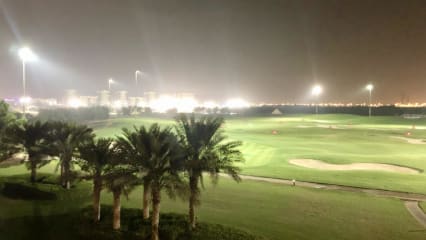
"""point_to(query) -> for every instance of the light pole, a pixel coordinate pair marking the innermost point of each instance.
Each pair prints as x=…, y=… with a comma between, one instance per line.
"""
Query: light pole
x=316, y=91
x=370, y=88
x=137, y=73
x=110, y=82
x=26, y=55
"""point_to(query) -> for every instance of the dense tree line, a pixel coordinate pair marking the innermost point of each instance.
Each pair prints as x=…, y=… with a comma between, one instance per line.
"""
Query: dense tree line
x=168, y=160
x=82, y=114
x=266, y=110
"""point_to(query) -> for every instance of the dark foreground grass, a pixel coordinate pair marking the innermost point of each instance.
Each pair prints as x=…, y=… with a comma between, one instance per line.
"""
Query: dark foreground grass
x=79, y=225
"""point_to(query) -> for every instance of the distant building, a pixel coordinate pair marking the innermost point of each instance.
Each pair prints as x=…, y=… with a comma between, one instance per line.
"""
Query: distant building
x=89, y=100
x=104, y=98
x=120, y=99
x=150, y=97
x=137, y=101
x=70, y=95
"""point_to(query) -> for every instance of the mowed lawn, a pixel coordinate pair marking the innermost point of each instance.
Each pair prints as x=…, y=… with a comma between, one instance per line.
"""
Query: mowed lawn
x=270, y=142
x=266, y=209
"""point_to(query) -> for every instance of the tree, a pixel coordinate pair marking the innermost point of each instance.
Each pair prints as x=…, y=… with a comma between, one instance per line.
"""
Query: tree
x=119, y=179
x=7, y=121
x=96, y=156
x=157, y=156
x=32, y=138
x=66, y=139
x=206, y=150
x=133, y=148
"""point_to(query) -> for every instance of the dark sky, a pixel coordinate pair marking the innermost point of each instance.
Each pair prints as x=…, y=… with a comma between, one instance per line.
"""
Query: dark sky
x=260, y=50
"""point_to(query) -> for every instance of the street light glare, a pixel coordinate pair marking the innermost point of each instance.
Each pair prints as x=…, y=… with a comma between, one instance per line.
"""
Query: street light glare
x=27, y=55
x=369, y=87
x=316, y=90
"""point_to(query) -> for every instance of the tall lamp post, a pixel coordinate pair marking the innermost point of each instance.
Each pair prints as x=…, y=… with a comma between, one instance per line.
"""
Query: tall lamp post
x=316, y=91
x=370, y=88
x=137, y=73
x=26, y=55
x=110, y=82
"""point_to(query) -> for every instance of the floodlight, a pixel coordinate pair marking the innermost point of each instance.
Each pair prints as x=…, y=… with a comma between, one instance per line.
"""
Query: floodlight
x=27, y=55
x=25, y=100
x=74, y=103
x=316, y=90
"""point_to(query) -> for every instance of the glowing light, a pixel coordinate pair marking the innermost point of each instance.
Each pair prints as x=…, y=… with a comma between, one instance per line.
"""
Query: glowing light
x=25, y=100
x=163, y=103
x=27, y=55
x=210, y=104
x=316, y=90
x=369, y=87
x=186, y=105
x=117, y=104
x=74, y=103
x=237, y=103
x=111, y=81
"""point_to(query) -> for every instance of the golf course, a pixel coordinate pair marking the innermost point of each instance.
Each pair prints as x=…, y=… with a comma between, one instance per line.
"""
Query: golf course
x=386, y=154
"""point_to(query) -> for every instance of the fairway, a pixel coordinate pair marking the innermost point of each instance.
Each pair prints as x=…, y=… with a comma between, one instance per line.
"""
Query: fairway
x=271, y=142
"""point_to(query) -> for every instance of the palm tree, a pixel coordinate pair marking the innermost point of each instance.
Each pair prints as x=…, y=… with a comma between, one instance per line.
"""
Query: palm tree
x=119, y=179
x=132, y=145
x=32, y=138
x=7, y=122
x=96, y=157
x=206, y=150
x=158, y=156
x=66, y=138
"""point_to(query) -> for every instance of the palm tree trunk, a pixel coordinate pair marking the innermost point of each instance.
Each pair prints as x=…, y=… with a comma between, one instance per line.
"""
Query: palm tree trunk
x=67, y=175
x=65, y=171
x=146, y=193
x=97, y=187
x=33, y=172
x=62, y=174
x=155, y=222
x=116, y=209
x=193, y=186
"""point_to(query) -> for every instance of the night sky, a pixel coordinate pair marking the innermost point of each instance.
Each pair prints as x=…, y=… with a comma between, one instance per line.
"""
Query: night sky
x=260, y=50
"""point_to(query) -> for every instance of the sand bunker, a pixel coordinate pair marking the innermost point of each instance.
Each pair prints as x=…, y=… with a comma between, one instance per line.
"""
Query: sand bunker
x=316, y=164
x=411, y=140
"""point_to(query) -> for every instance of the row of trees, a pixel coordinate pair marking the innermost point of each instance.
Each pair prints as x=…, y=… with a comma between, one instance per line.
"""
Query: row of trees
x=83, y=114
x=162, y=159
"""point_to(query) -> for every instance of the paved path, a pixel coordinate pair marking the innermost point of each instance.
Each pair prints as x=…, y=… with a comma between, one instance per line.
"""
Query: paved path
x=415, y=210
x=375, y=192
x=411, y=200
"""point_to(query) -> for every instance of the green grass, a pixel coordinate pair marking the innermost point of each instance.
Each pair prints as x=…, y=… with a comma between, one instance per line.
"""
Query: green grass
x=351, y=139
x=423, y=206
x=270, y=210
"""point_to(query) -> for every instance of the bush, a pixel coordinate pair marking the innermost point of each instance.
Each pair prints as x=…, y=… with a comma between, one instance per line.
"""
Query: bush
x=172, y=227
